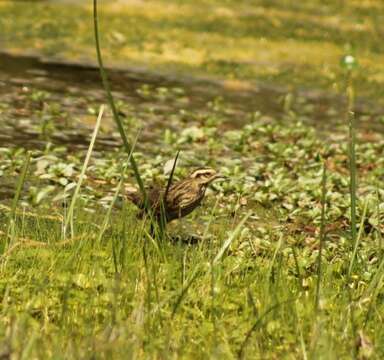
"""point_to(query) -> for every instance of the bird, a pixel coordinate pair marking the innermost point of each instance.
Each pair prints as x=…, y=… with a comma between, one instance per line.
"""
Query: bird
x=181, y=198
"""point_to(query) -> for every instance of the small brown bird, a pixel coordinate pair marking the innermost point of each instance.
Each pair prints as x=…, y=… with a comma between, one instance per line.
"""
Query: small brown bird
x=182, y=197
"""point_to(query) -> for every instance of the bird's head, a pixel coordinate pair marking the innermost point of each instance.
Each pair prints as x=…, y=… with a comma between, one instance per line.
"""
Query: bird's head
x=205, y=176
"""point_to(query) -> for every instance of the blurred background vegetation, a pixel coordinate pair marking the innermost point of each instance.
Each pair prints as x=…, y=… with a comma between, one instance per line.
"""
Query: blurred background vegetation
x=291, y=43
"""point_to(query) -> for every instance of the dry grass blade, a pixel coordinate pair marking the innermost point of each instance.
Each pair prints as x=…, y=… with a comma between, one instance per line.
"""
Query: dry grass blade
x=69, y=217
x=58, y=217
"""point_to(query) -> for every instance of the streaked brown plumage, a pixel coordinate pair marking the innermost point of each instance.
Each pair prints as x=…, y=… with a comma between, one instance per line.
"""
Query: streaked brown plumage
x=182, y=197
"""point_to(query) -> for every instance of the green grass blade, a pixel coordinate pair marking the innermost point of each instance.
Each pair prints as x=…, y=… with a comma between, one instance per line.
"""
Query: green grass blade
x=381, y=242
x=208, y=226
x=20, y=184
x=273, y=260
x=163, y=219
x=376, y=279
x=230, y=239
x=111, y=101
x=297, y=267
x=258, y=323
x=169, y=182
x=185, y=291
x=19, y=188
x=358, y=238
x=322, y=235
x=115, y=195
x=352, y=154
x=218, y=257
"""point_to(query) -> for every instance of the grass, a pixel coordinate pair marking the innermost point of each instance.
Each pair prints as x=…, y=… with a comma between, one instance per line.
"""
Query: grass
x=73, y=303
x=276, y=275
x=69, y=215
x=249, y=290
x=278, y=41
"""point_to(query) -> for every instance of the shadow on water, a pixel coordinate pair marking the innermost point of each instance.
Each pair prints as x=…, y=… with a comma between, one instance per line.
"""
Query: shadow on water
x=55, y=101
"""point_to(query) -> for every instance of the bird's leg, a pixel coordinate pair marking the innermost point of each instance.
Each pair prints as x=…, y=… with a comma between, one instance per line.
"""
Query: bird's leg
x=157, y=230
x=151, y=229
x=162, y=221
x=158, y=224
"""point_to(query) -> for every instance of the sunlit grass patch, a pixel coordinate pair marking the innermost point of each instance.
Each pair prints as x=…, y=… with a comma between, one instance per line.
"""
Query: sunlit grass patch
x=283, y=266
x=263, y=41
x=249, y=288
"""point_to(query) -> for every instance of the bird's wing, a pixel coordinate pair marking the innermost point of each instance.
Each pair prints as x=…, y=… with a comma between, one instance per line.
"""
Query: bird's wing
x=135, y=197
x=154, y=194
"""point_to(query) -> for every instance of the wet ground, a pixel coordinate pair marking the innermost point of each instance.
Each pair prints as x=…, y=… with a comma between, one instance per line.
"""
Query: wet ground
x=43, y=100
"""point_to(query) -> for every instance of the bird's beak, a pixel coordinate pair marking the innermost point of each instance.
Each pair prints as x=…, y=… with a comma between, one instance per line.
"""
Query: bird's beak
x=219, y=176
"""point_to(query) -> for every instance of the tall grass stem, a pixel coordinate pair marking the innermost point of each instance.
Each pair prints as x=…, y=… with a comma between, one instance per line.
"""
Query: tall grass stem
x=19, y=188
x=115, y=195
x=111, y=101
x=358, y=238
x=322, y=234
x=350, y=92
x=352, y=153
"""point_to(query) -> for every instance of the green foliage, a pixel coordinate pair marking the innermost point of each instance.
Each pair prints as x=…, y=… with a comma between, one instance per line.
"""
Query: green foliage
x=295, y=43
x=260, y=284
x=86, y=297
